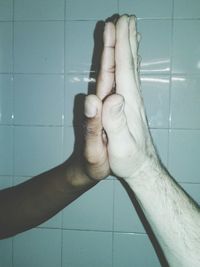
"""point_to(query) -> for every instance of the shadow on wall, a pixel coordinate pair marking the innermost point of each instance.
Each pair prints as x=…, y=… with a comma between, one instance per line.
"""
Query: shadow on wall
x=79, y=122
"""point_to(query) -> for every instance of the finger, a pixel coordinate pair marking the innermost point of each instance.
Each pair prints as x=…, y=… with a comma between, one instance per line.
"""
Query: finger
x=115, y=125
x=105, y=80
x=94, y=150
x=134, y=38
x=126, y=84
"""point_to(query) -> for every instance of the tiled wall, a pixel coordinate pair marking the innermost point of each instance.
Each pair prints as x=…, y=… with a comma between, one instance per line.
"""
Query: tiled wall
x=46, y=50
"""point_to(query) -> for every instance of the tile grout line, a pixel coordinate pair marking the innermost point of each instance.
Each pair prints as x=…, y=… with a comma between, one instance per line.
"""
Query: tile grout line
x=71, y=126
x=170, y=85
x=82, y=73
x=63, y=122
x=12, y=78
x=94, y=19
x=13, y=146
x=92, y=230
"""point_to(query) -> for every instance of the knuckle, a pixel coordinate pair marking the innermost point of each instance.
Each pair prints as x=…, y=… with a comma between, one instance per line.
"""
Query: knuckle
x=92, y=129
x=109, y=69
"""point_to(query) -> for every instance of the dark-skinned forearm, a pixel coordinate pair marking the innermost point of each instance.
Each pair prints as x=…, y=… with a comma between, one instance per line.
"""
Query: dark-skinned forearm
x=31, y=203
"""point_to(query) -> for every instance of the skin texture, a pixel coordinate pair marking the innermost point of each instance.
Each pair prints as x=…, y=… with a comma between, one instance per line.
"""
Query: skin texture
x=31, y=203
x=173, y=216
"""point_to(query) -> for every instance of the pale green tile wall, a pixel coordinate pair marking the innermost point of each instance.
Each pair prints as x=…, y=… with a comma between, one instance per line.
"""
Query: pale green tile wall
x=46, y=49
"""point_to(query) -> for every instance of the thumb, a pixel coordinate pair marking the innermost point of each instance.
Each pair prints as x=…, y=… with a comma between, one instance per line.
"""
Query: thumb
x=120, y=141
x=95, y=152
x=93, y=128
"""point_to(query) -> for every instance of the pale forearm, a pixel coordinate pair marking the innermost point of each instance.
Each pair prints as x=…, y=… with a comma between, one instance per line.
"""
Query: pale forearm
x=174, y=217
x=35, y=201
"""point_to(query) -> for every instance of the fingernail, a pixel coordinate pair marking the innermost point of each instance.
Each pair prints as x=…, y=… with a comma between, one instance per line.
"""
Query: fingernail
x=90, y=111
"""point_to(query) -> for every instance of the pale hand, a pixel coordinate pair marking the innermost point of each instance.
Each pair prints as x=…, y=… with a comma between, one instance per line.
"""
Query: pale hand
x=129, y=142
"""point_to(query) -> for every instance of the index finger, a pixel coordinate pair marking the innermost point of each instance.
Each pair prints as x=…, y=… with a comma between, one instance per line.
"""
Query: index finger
x=125, y=55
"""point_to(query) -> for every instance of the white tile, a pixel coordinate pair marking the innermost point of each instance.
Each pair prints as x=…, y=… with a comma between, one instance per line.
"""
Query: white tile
x=79, y=45
x=193, y=190
x=6, y=9
x=125, y=216
x=134, y=250
x=186, y=53
x=6, y=41
x=146, y=8
x=39, y=47
x=6, y=252
x=6, y=152
x=87, y=248
x=38, y=99
x=187, y=9
x=90, y=9
x=19, y=180
x=37, y=149
x=185, y=102
x=155, y=46
x=37, y=247
x=184, y=154
x=39, y=10
x=54, y=222
x=91, y=211
x=5, y=181
x=156, y=99
x=6, y=99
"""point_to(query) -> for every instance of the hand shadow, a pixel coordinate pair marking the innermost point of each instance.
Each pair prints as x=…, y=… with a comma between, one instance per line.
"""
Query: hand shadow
x=79, y=125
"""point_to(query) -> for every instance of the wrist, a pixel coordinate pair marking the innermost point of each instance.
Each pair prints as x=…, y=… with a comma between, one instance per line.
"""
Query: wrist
x=75, y=174
x=150, y=171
